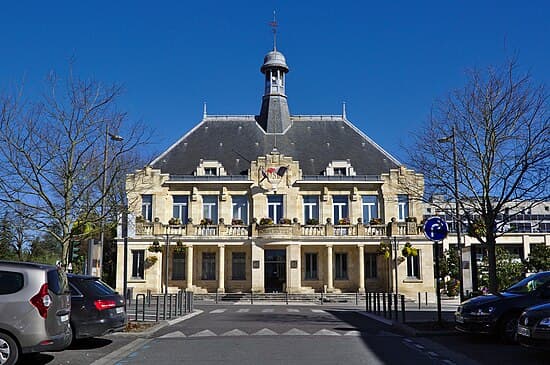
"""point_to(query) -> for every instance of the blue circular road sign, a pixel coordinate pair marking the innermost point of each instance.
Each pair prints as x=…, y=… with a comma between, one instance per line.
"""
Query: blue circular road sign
x=436, y=229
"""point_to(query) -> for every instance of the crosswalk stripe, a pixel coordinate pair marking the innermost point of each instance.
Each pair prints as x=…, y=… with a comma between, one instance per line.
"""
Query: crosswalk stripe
x=204, y=333
x=318, y=311
x=173, y=335
x=352, y=333
x=295, y=332
x=218, y=311
x=243, y=310
x=235, y=332
x=325, y=332
x=270, y=310
x=265, y=332
x=292, y=310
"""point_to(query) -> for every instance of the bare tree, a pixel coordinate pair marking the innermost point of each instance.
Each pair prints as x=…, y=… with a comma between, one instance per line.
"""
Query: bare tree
x=501, y=130
x=61, y=155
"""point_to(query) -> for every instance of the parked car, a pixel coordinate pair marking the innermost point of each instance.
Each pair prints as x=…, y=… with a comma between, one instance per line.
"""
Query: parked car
x=534, y=326
x=499, y=313
x=96, y=308
x=35, y=304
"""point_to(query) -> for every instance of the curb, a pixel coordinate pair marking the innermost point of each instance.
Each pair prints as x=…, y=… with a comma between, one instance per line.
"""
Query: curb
x=160, y=325
x=408, y=330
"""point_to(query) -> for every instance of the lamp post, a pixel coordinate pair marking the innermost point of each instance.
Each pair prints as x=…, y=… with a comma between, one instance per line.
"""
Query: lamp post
x=452, y=138
x=117, y=138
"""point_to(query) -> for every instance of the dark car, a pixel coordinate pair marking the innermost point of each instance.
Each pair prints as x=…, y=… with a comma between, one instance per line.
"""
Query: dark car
x=96, y=308
x=534, y=326
x=499, y=313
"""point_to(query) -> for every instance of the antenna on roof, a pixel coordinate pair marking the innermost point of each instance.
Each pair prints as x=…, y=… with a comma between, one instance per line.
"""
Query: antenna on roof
x=274, y=25
x=344, y=110
x=204, y=111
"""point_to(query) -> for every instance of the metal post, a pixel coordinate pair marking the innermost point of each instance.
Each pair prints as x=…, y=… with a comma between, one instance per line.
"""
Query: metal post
x=384, y=304
x=389, y=305
x=426, y=293
x=125, y=269
x=458, y=219
x=395, y=297
x=419, y=301
x=396, y=248
x=437, y=288
x=403, y=307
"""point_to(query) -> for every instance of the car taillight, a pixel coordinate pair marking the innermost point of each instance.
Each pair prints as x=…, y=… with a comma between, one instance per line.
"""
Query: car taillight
x=42, y=301
x=101, y=304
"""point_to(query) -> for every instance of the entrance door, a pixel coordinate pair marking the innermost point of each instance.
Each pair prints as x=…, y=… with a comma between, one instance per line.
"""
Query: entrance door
x=275, y=270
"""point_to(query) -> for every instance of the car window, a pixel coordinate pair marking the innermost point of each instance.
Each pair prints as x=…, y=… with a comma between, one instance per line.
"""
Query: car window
x=530, y=283
x=74, y=291
x=97, y=287
x=10, y=282
x=57, y=281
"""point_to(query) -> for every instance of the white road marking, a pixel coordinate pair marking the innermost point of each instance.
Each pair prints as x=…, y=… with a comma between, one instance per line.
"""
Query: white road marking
x=352, y=333
x=218, y=311
x=265, y=332
x=173, y=335
x=187, y=316
x=318, y=311
x=295, y=332
x=293, y=310
x=235, y=332
x=204, y=333
x=270, y=310
x=243, y=310
x=325, y=332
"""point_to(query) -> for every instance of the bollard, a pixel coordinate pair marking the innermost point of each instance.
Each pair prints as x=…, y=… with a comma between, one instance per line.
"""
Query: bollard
x=419, y=301
x=157, y=312
x=322, y=298
x=251, y=297
x=216, y=296
x=286, y=297
x=403, y=307
x=148, y=297
x=366, y=301
x=389, y=305
x=356, y=298
x=378, y=303
x=426, y=298
x=395, y=297
x=384, y=304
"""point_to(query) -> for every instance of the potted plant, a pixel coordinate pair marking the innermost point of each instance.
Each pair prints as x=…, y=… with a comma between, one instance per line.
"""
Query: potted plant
x=266, y=221
x=410, y=219
x=312, y=221
x=155, y=246
x=408, y=250
x=140, y=219
x=174, y=221
x=375, y=221
x=344, y=221
x=149, y=261
x=284, y=221
x=206, y=222
x=237, y=222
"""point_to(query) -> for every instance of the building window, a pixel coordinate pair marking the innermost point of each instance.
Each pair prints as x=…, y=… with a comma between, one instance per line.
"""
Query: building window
x=371, y=269
x=413, y=266
x=402, y=207
x=210, y=171
x=238, y=261
x=341, y=266
x=275, y=207
x=147, y=207
x=240, y=208
x=370, y=207
x=210, y=208
x=138, y=259
x=180, y=208
x=311, y=266
x=311, y=209
x=208, y=266
x=178, y=265
x=340, y=207
x=340, y=171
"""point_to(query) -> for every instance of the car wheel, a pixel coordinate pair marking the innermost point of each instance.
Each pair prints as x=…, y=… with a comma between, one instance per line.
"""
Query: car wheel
x=508, y=328
x=9, y=352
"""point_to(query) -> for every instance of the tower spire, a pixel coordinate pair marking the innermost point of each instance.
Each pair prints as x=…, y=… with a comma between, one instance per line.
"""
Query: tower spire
x=274, y=25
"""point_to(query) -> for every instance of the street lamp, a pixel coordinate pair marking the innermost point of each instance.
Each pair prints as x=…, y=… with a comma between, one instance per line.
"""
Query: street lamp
x=452, y=138
x=116, y=138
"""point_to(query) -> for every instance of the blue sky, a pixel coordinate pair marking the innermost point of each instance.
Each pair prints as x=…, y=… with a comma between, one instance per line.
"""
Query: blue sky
x=388, y=61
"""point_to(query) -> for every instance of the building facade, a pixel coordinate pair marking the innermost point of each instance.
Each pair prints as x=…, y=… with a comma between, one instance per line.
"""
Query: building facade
x=275, y=203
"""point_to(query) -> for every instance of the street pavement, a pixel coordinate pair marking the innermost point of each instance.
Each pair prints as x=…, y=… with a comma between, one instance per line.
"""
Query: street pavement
x=280, y=334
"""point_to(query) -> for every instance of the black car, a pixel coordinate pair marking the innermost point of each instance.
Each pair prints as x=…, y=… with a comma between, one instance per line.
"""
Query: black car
x=96, y=309
x=534, y=326
x=499, y=313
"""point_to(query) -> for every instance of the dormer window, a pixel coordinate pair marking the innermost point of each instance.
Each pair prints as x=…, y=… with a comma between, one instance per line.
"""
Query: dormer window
x=210, y=168
x=340, y=168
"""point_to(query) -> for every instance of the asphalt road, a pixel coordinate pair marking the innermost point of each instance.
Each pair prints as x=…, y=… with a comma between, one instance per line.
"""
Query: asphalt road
x=280, y=334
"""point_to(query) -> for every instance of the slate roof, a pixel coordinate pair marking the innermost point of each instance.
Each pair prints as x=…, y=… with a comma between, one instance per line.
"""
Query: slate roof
x=314, y=141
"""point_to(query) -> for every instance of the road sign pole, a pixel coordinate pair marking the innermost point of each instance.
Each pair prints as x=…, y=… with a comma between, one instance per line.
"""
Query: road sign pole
x=437, y=287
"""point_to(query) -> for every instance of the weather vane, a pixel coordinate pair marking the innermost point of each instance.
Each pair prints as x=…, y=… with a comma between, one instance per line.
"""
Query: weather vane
x=274, y=25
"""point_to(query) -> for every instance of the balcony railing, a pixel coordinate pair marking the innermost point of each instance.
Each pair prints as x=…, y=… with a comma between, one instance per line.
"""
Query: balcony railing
x=277, y=230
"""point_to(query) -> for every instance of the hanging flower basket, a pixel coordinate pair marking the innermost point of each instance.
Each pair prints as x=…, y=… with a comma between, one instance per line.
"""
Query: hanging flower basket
x=384, y=250
x=375, y=221
x=206, y=222
x=150, y=261
x=155, y=247
x=180, y=248
x=408, y=250
x=284, y=221
x=174, y=221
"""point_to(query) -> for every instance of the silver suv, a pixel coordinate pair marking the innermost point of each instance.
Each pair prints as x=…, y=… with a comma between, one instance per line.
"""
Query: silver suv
x=35, y=304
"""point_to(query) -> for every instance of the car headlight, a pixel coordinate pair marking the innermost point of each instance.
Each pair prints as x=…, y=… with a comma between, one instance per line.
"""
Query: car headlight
x=545, y=322
x=487, y=311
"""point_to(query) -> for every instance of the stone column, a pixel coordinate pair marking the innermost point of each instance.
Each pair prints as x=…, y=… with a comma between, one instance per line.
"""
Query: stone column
x=330, y=277
x=361, y=268
x=294, y=274
x=189, y=262
x=221, y=269
x=258, y=271
x=526, y=241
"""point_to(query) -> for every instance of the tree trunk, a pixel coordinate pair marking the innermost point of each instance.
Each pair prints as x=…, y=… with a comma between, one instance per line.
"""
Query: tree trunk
x=492, y=261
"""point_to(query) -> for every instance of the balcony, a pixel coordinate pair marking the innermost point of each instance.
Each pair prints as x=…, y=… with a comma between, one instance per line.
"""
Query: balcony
x=292, y=230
